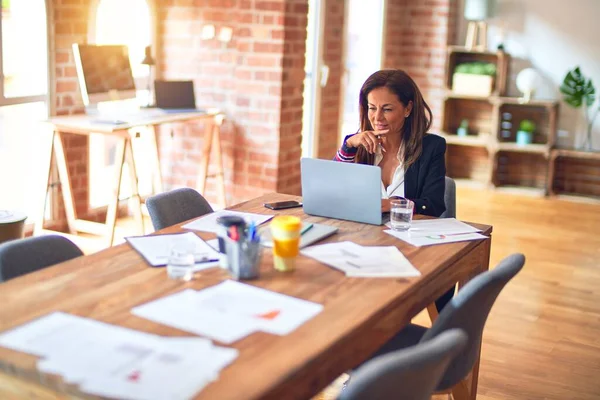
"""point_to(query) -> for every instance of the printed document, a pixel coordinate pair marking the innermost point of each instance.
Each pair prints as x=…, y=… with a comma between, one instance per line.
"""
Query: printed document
x=437, y=231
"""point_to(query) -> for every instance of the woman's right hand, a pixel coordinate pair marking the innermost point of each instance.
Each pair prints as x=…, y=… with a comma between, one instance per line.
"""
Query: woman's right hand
x=368, y=139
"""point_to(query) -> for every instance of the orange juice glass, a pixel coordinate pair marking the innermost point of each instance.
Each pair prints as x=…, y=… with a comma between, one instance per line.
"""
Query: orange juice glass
x=285, y=230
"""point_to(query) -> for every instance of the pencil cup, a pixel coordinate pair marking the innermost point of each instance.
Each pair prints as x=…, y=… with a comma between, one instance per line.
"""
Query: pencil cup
x=243, y=258
x=224, y=224
x=285, y=230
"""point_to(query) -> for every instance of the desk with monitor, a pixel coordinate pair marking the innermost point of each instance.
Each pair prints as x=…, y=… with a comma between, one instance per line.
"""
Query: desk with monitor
x=88, y=124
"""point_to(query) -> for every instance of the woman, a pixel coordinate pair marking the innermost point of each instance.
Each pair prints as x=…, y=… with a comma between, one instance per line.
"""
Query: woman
x=394, y=120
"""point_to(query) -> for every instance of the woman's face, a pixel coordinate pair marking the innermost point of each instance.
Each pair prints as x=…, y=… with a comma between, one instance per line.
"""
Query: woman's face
x=385, y=111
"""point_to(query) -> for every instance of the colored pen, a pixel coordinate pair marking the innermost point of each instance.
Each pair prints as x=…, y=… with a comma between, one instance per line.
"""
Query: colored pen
x=306, y=228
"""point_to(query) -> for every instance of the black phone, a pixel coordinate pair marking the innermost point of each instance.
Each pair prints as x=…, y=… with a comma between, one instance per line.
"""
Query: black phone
x=280, y=205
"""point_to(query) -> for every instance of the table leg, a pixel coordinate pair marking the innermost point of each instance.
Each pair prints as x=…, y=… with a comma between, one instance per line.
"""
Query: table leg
x=157, y=186
x=43, y=196
x=220, y=174
x=65, y=181
x=113, y=205
x=206, y=150
x=133, y=179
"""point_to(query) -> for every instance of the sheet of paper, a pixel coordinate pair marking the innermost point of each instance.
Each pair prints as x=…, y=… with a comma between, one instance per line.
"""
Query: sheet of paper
x=363, y=261
x=208, y=223
x=230, y=311
x=440, y=226
x=432, y=239
x=183, y=310
x=271, y=311
x=156, y=248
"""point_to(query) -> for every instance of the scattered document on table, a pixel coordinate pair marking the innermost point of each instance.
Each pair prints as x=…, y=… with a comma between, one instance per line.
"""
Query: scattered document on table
x=437, y=231
x=109, y=360
x=156, y=248
x=433, y=239
x=363, y=261
x=230, y=311
x=208, y=223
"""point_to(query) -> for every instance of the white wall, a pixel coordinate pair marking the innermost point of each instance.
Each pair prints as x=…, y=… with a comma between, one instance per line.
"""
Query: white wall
x=553, y=36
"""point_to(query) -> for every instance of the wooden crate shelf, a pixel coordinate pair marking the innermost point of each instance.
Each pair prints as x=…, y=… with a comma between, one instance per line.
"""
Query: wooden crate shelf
x=520, y=169
x=574, y=172
x=490, y=153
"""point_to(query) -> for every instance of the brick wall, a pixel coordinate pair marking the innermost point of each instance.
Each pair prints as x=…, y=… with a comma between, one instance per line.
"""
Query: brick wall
x=256, y=79
x=333, y=53
x=418, y=32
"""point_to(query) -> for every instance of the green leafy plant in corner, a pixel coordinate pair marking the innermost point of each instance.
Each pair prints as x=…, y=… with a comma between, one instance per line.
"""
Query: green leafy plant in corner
x=578, y=91
x=476, y=68
x=527, y=126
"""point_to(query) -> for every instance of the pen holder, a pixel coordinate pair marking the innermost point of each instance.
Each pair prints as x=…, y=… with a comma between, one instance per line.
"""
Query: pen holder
x=243, y=258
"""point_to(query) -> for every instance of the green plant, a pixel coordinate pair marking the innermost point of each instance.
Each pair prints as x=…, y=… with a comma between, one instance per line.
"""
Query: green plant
x=527, y=126
x=476, y=68
x=579, y=91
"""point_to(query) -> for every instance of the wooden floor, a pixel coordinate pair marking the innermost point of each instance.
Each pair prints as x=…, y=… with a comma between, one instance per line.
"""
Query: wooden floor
x=542, y=339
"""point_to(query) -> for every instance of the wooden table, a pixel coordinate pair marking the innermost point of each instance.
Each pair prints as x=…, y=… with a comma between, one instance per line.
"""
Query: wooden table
x=359, y=315
x=86, y=125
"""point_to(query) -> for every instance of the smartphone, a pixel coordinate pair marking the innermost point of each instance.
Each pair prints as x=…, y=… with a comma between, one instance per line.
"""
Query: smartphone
x=280, y=205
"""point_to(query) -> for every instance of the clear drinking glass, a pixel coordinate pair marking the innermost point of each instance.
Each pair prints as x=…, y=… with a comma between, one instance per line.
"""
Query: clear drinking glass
x=401, y=211
x=181, y=262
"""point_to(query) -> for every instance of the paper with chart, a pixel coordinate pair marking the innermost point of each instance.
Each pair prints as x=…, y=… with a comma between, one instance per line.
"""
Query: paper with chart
x=208, y=223
x=230, y=311
x=363, y=261
x=109, y=360
x=437, y=231
x=156, y=248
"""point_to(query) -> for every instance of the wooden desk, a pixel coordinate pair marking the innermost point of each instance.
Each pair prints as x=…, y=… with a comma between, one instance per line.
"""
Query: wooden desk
x=359, y=315
x=86, y=125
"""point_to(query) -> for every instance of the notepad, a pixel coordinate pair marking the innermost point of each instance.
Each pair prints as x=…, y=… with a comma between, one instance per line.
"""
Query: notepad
x=311, y=234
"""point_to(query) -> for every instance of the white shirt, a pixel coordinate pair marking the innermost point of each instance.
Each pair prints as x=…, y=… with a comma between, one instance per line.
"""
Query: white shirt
x=396, y=187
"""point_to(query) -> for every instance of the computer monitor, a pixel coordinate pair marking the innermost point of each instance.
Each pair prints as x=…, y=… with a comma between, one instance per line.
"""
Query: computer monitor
x=104, y=73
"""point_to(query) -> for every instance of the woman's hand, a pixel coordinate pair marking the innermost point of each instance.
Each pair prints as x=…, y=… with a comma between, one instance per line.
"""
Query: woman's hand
x=386, y=206
x=368, y=139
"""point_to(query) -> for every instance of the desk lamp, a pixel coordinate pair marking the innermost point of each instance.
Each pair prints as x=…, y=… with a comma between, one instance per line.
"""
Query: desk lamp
x=476, y=12
x=149, y=61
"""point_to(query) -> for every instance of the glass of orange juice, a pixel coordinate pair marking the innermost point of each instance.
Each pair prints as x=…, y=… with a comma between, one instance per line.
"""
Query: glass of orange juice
x=285, y=230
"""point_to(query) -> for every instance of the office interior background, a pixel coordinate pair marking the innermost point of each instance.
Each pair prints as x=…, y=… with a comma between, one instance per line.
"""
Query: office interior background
x=286, y=73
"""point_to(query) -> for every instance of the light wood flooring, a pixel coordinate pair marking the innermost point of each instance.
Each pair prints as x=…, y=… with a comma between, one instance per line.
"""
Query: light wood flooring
x=542, y=339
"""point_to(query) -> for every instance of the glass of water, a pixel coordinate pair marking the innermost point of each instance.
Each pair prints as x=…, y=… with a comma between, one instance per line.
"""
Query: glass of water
x=181, y=261
x=401, y=212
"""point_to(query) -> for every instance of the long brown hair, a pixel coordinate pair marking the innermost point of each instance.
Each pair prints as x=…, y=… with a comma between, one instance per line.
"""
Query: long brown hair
x=416, y=124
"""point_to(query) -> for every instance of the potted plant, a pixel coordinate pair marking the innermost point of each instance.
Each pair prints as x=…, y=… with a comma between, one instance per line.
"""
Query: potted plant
x=580, y=92
x=474, y=78
x=525, y=132
x=463, y=129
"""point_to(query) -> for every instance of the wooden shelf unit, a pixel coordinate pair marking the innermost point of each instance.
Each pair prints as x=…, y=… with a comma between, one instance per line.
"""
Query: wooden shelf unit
x=489, y=153
x=574, y=172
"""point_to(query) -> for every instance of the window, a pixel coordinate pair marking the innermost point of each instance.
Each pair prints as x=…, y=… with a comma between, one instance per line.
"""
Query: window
x=129, y=23
x=23, y=105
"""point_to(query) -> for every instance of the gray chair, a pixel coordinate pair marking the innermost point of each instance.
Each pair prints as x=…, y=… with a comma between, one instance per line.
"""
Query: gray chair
x=22, y=256
x=176, y=206
x=412, y=373
x=449, y=198
x=468, y=311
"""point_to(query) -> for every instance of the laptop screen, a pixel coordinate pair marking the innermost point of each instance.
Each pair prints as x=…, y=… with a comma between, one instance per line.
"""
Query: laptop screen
x=175, y=94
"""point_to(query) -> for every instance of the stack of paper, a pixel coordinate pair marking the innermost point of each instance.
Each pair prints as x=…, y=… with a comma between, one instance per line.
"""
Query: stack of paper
x=437, y=231
x=363, y=261
x=208, y=223
x=230, y=311
x=156, y=248
x=111, y=361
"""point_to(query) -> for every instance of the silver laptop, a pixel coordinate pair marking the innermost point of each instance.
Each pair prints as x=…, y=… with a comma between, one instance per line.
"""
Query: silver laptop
x=342, y=190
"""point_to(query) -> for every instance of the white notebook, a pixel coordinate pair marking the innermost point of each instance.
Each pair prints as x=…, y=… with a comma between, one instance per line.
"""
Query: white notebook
x=314, y=234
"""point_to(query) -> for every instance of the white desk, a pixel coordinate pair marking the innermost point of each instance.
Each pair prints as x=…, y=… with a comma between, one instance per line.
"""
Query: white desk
x=88, y=124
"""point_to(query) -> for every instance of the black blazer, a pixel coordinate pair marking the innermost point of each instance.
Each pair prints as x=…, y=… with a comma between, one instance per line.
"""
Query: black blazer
x=424, y=181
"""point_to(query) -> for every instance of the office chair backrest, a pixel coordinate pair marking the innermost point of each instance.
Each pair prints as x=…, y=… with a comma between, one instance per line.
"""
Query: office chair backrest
x=22, y=256
x=449, y=198
x=468, y=311
x=178, y=205
x=411, y=373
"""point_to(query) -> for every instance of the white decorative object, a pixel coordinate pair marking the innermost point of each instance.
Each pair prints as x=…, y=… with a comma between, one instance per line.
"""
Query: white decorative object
x=528, y=81
x=479, y=10
x=472, y=85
